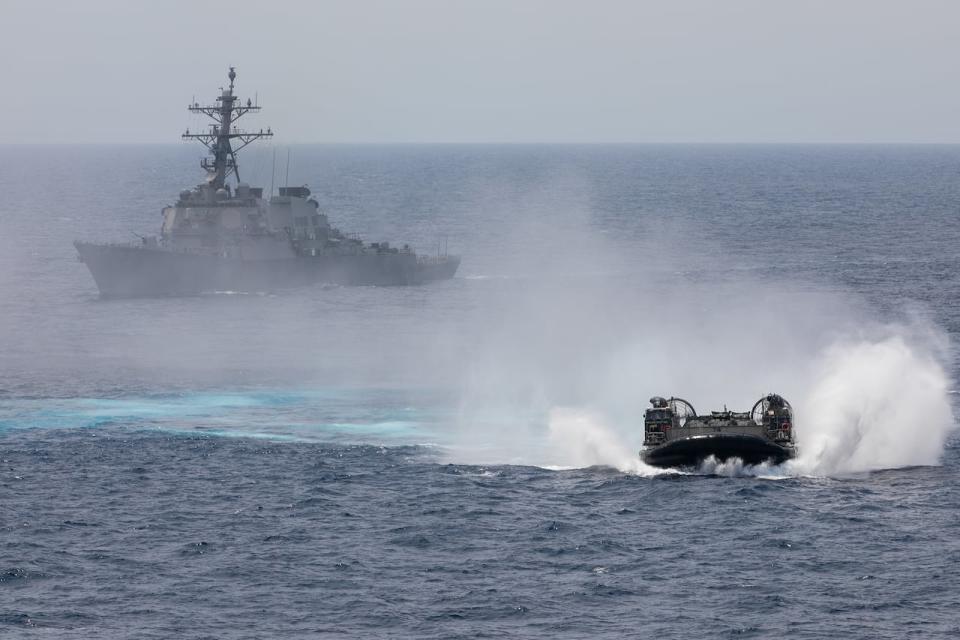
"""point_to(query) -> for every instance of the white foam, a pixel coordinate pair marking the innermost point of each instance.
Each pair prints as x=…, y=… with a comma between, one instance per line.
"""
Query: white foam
x=581, y=438
x=876, y=404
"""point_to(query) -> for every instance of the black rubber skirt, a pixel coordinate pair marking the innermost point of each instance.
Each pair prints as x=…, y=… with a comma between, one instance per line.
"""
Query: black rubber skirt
x=690, y=452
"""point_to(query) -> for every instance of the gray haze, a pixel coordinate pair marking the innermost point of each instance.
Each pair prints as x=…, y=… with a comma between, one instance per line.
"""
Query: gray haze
x=488, y=71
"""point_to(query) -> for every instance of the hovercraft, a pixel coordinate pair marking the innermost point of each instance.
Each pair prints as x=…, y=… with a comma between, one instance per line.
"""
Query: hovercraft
x=675, y=436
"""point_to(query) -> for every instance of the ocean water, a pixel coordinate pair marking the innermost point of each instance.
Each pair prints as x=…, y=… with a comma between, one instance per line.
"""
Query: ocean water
x=460, y=459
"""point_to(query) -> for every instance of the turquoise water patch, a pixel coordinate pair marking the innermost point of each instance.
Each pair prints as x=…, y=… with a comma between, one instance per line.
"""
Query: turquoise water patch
x=322, y=414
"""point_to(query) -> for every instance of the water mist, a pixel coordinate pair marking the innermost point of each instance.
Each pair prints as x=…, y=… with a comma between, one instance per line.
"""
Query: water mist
x=562, y=368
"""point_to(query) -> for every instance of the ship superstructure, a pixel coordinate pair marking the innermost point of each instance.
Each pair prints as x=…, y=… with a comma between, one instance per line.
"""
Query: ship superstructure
x=220, y=236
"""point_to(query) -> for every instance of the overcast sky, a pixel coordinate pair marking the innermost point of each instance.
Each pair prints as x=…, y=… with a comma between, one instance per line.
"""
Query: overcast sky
x=487, y=70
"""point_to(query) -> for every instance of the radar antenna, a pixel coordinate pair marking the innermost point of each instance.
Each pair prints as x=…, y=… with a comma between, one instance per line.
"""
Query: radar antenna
x=223, y=160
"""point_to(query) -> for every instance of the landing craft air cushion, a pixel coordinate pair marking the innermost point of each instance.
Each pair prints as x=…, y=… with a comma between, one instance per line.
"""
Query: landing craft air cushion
x=219, y=237
x=675, y=436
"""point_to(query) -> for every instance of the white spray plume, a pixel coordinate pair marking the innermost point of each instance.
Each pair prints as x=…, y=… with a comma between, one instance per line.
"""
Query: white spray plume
x=866, y=398
x=873, y=405
x=581, y=438
x=674, y=315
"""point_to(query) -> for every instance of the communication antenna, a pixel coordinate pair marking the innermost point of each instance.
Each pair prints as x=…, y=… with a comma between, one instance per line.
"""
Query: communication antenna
x=224, y=139
x=273, y=171
x=286, y=178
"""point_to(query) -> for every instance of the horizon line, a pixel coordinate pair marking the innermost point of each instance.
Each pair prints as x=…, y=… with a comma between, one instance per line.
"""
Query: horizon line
x=504, y=144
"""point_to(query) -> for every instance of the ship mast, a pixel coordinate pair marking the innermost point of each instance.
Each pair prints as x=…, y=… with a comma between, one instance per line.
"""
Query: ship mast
x=223, y=160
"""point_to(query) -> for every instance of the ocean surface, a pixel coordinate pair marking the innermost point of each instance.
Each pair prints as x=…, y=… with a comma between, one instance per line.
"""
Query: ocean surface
x=459, y=460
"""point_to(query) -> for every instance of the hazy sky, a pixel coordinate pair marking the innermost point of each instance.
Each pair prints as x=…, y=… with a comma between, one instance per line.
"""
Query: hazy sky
x=488, y=70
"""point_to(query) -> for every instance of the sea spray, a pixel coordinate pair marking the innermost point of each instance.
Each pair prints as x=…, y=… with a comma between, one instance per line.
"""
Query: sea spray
x=543, y=348
x=734, y=467
x=581, y=438
x=873, y=405
x=863, y=403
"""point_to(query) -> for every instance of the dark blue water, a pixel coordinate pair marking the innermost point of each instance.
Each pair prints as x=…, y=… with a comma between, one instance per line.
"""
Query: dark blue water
x=459, y=460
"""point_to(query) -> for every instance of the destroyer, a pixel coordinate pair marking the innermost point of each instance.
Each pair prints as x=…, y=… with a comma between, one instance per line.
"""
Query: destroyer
x=675, y=436
x=223, y=237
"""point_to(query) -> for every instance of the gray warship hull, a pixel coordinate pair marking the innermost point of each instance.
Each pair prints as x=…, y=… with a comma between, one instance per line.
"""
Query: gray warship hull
x=123, y=271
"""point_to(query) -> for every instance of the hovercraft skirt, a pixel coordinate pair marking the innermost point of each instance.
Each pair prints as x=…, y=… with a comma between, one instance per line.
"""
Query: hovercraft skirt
x=690, y=452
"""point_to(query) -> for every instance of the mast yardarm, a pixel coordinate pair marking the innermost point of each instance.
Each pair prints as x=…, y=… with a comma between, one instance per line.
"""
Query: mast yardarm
x=223, y=160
